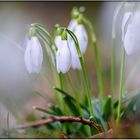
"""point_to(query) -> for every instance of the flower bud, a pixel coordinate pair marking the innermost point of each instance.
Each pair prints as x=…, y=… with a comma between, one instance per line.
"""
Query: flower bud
x=80, y=32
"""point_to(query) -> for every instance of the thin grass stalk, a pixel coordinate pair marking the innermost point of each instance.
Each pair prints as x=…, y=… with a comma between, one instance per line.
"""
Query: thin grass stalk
x=97, y=60
x=121, y=84
x=83, y=71
x=113, y=57
x=61, y=86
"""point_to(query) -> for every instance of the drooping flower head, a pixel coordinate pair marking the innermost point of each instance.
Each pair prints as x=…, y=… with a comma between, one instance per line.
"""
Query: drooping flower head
x=77, y=27
x=33, y=56
x=63, y=54
x=131, y=32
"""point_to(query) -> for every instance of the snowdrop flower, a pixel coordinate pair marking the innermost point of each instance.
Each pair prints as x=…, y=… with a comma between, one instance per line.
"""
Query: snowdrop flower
x=82, y=37
x=63, y=56
x=81, y=34
x=33, y=56
x=75, y=62
x=132, y=35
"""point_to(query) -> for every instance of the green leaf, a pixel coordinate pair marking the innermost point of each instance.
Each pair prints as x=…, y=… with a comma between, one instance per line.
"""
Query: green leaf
x=56, y=110
x=71, y=102
x=98, y=113
x=43, y=110
x=107, y=108
x=71, y=105
x=64, y=93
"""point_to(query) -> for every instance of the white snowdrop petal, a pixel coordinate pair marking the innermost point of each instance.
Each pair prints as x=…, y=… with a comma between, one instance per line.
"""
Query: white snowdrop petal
x=33, y=56
x=75, y=62
x=72, y=24
x=36, y=54
x=136, y=19
x=81, y=34
x=124, y=22
x=57, y=41
x=128, y=45
x=82, y=37
x=132, y=36
x=27, y=57
x=64, y=57
x=132, y=40
x=74, y=55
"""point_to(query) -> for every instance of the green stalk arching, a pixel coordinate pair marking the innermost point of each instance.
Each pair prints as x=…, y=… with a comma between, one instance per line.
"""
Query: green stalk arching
x=40, y=28
x=113, y=56
x=46, y=37
x=97, y=59
x=83, y=70
x=121, y=84
x=47, y=43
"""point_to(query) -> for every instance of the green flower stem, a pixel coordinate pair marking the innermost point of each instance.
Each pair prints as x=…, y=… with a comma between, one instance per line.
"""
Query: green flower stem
x=61, y=85
x=113, y=77
x=61, y=99
x=97, y=60
x=82, y=91
x=79, y=80
x=80, y=85
x=121, y=84
x=75, y=94
x=87, y=85
x=113, y=57
x=83, y=71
